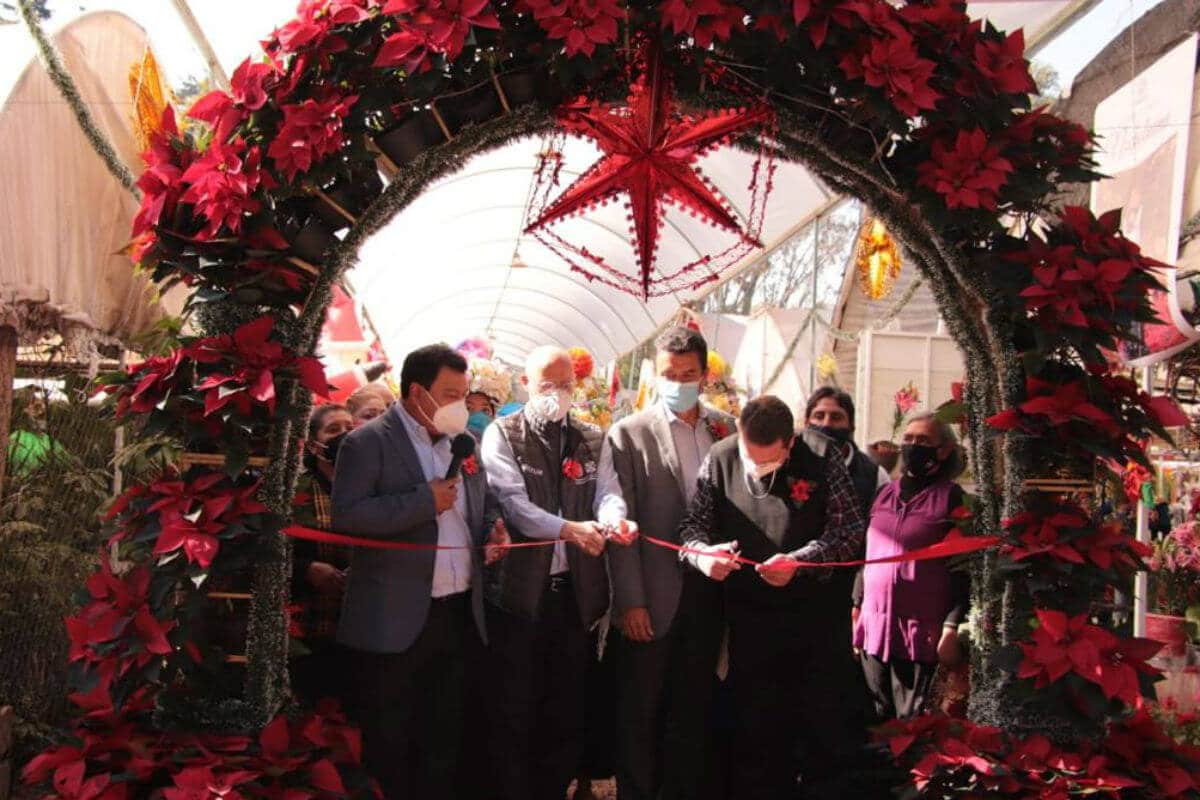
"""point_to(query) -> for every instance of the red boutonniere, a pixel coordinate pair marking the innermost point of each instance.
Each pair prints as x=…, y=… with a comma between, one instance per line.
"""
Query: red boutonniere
x=572, y=469
x=801, y=491
x=717, y=429
x=470, y=465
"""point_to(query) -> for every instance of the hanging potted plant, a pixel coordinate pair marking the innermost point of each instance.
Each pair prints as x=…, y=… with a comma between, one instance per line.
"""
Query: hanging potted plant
x=1174, y=587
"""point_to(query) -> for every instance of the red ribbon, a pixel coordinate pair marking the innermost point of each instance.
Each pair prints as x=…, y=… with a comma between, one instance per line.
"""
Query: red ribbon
x=951, y=546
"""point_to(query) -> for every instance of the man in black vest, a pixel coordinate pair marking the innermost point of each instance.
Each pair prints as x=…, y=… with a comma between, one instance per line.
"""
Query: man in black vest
x=776, y=499
x=543, y=600
x=830, y=412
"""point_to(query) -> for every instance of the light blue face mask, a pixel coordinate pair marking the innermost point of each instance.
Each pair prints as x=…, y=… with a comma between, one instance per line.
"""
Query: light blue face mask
x=478, y=422
x=679, y=397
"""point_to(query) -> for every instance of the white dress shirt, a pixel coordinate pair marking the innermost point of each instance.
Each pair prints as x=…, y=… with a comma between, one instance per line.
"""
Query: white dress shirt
x=451, y=568
x=505, y=479
x=691, y=444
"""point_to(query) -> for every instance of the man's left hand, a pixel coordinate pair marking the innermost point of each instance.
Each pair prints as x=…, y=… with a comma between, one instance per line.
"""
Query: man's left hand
x=497, y=542
x=777, y=570
x=949, y=651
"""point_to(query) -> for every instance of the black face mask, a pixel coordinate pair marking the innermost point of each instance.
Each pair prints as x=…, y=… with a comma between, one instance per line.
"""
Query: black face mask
x=837, y=434
x=333, y=445
x=311, y=460
x=920, y=460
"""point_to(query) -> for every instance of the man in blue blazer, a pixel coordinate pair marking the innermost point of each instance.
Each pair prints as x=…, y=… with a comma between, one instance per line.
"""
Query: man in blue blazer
x=413, y=619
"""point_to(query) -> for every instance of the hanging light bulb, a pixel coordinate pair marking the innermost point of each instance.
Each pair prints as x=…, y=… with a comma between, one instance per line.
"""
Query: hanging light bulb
x=877, y=259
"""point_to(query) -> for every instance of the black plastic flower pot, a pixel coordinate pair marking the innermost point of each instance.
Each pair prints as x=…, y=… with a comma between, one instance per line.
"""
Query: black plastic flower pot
x=519, y=87
x=410, y=138
x=313, y=240
x=478, y=105
x=352, y=194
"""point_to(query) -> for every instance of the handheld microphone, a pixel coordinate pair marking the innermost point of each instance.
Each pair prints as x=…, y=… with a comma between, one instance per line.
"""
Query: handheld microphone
x=462, y=447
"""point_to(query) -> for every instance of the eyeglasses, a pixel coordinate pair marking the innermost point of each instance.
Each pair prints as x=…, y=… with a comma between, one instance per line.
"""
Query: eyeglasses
x=546, y=387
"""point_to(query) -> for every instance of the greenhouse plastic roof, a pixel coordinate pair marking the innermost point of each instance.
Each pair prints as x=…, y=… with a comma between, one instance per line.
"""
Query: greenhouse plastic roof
x=442, y=269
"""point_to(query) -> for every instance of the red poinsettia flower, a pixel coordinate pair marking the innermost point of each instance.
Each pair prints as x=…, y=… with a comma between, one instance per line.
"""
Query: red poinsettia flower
x=1000, y=65
x=311, y=131
x=1063, y=645
x=153, y=381
x=159, y=183
x=801, y=491
x=572, y=469
x=470, y=465
x=968, y=174
x=446, y=23
x=717, y=429
x=1058, y=404
x=579, y=24
x=1072, y=288
x=892, y=64
x=408, y=48
x=1039, y=535
x=315, y=19
x=1066, y=144
x=223, y=183
x=249, y=359
x=706, y=21
x=248, y=92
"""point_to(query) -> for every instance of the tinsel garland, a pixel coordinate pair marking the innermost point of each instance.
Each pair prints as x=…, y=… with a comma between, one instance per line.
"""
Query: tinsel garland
x=62, y=80
x=267, y=639
x=880, y=322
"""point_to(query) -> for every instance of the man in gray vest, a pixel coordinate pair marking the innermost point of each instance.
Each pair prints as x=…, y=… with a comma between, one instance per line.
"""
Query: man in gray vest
x=669, y=617
x=543, y=600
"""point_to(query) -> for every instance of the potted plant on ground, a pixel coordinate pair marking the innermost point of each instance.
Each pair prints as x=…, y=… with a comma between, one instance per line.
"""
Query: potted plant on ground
x=1174, y=587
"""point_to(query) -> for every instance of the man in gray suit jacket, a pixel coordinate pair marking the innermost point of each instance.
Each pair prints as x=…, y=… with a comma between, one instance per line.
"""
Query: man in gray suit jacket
x=414, y=618
x=669, y=617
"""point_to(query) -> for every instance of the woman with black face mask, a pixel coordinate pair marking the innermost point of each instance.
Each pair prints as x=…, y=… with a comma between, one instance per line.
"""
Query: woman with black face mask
x=910, y=611
x=318, y=569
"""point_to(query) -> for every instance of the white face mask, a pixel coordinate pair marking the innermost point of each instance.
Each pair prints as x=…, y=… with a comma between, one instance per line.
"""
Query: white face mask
x=759, y=471
x=553, y=407
x=451, y=419
x=448, y=420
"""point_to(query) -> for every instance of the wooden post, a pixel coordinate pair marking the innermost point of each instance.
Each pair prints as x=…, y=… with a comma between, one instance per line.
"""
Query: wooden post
x=6, y=743
x=8, y=371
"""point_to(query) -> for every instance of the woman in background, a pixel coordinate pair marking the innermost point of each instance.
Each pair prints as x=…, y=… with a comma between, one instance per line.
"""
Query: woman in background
x=369, y=402
x=910, y=611
x=318, y=568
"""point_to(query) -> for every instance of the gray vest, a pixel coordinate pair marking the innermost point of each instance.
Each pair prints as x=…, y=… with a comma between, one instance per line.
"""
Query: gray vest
x=518, y=581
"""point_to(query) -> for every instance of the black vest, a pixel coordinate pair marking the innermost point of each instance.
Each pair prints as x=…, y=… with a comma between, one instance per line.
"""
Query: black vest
x=865, y=474
x=747, y=518
x=517, y=582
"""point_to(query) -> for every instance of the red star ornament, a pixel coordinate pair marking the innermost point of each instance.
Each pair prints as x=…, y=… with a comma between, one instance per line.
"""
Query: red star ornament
x=650, y=151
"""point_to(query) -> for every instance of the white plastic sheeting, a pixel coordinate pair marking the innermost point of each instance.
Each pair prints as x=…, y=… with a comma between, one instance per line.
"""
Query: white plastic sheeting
x=64, y=216
x=442, y=270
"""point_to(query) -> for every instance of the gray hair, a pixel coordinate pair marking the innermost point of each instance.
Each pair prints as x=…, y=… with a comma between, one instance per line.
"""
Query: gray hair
x=956, y=462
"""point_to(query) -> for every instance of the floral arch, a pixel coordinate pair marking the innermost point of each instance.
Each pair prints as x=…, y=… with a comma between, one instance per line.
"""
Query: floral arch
x=914, y=108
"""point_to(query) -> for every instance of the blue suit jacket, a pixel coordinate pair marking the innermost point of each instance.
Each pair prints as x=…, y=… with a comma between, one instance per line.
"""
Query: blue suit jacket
x=380, y=492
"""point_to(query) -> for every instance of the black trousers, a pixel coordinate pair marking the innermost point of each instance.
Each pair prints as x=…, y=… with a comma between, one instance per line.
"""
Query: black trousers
x=323, y=672
x=664, y=702
x=899, y=688
x=537, y=721
x=795, y=736
x=600, y=712
x=410, y=705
